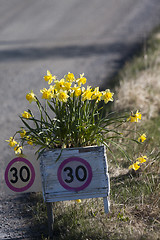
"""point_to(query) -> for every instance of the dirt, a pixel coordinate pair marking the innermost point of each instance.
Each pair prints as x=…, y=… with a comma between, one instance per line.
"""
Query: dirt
x=16, y=218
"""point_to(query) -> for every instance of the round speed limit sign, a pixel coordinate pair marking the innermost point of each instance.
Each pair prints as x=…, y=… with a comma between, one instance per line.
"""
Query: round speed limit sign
x=19, y=174
x=74, y=174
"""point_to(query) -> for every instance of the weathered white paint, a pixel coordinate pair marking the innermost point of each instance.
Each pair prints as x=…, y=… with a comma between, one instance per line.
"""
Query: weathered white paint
x=99, y=186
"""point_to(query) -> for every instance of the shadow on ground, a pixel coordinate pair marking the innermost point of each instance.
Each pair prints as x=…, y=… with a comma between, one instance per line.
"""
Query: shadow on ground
x=18, y=221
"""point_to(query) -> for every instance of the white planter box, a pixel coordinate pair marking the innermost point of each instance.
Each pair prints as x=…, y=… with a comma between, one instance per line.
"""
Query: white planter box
x=78, y=174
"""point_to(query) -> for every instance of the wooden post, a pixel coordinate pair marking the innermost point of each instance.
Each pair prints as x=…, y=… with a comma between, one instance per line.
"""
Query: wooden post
x=50, y=219
x=106, y=205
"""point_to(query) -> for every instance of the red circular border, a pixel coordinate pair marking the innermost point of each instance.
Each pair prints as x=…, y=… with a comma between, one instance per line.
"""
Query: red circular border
x=71, y=159
x=20, y=159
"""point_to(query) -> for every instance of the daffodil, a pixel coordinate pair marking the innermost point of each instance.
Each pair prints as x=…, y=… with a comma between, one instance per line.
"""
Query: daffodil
x=135, y=166
x=142, y=159
x=107, y=96
x=18, y=149
x=76, y=90
x=97, y=94
x=30, y=142
x=30, y=96
x=135, y=117
x=49, y=78
x=46, y=93
x=59, y=84
x=87, y=94
x=52, y=91
x=12, y=142
x=69, y=77
x=67, y=86
x=81, y=80
x=78, y=200
x=142, y=138
x=62, y=96
x=23, y=133
x=26, y=114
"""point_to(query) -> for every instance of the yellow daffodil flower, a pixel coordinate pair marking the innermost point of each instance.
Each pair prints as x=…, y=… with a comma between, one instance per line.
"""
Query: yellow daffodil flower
x=18, y=149
x=46, y=93
x=78, y=200
x=135, y=117
x=142, y=138
x=49, y=78
x=52, y=91
x=23, y=133
x=107, y=96
x=76, y=90
x=59, y=84
x=26, y=115
x=69, y=77
x=12, y=142
x=81, y=80
x=97, y=94
x=62, y=96
x=67, y=86
x=30, y=97
x=87, y=94
x=142, y=159
x=135, y=166
x=30, y=142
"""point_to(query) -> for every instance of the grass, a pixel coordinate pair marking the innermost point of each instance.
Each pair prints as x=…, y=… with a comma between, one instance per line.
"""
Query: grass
x=135, y=196
x=139, y=84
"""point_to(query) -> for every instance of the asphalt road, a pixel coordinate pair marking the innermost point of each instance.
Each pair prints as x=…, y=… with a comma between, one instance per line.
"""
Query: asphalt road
x=88, y=36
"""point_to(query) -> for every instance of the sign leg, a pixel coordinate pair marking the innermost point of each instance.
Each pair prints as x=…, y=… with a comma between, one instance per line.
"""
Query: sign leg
x=106, y=204
x=50, y=219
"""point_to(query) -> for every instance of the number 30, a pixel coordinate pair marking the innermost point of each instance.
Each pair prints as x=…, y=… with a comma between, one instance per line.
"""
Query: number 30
x=70, y=174
x=15, y=174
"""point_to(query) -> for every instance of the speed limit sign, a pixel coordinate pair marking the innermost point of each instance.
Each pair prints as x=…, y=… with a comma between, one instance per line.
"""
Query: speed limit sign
x=21, y=175
x=74, y=174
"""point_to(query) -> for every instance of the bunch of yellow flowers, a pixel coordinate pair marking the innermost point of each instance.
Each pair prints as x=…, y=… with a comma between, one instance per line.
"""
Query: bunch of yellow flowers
x=76, y=118
x=67, y=87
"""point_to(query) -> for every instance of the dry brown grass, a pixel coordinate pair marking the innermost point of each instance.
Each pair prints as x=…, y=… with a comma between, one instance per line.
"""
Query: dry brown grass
x=141, y=91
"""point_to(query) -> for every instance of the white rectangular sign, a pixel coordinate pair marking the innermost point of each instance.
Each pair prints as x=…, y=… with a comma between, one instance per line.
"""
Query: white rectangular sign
x=79, y=173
